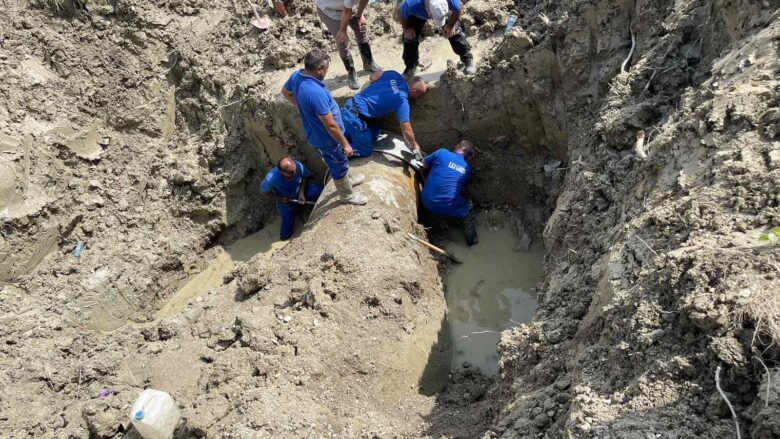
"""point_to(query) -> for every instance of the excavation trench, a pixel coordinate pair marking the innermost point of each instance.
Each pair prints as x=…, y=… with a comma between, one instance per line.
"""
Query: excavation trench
x=374, y=324
x=495, y=288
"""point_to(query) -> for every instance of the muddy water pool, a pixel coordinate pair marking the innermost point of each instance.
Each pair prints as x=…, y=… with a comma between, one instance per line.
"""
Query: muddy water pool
x=490, y=291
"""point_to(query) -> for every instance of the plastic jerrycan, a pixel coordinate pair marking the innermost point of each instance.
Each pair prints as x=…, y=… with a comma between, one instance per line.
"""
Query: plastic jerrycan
x=154, y=414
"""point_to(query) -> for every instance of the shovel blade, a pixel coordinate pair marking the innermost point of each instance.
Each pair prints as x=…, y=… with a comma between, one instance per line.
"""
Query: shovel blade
x=262, y=23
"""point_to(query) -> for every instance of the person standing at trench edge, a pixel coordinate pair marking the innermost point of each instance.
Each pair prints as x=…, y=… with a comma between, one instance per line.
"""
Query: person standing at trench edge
x=337, y=15
x=288, y=184
x=322, y=122
x=448, y=172
x=444, y=15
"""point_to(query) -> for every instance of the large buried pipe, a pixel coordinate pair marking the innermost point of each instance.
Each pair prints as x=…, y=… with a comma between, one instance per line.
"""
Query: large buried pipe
x=380, y=337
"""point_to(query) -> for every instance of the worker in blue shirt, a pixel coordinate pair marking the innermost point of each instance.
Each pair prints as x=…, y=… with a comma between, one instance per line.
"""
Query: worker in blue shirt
x=288, y=184
x=444, y=15
x=448, y=172
x=322, y=123
x=387, y=93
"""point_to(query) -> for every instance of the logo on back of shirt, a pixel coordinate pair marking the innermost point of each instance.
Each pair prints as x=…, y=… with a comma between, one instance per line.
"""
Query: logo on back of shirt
x=394, y=86
x=457, y=167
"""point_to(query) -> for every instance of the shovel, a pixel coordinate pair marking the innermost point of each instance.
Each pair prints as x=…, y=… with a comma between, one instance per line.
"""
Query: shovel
x=262, y=23
x=434, y=248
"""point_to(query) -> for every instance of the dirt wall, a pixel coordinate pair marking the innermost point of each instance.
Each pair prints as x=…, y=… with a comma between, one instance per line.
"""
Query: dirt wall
x=650, y=246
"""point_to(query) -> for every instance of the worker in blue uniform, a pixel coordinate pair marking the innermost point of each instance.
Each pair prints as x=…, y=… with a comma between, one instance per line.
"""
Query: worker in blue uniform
x=322, y=122
x=288, y=183
x=445, y=17
x=388, y=92
x=442, y=194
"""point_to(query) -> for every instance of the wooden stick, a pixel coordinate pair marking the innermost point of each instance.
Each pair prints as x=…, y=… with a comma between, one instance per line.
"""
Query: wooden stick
x=433, y=247
x=725, y=398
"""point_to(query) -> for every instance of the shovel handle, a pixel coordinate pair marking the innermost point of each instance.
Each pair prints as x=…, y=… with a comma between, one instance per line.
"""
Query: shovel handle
x=432, y=247
x=254, y=9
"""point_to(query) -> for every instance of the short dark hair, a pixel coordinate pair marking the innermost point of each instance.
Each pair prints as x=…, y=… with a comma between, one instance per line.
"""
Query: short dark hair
x=315, y=59
x=468, y=148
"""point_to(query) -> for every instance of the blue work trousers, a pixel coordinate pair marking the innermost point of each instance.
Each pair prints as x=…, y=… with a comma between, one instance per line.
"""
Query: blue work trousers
x=289, y=211
x=360, y=132
x=336, y=160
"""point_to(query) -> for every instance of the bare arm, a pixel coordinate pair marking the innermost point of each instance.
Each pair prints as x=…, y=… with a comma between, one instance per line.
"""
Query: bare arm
x=335, y=131
x=454, y=16
x=408, y=133
x=346, y=15
x=302, y=192
x=289, y=96
x=275, y=197
x=361, y=7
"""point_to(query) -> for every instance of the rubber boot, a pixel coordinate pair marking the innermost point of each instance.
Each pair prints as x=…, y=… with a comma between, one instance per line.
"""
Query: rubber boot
x=469, y=223
x=352, y=78
x=468, y=66
x=368, y=59
x=356, y=179
x=344, y=188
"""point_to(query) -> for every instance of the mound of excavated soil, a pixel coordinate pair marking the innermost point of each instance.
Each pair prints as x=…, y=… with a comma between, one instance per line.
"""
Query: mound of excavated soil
x=143, y=130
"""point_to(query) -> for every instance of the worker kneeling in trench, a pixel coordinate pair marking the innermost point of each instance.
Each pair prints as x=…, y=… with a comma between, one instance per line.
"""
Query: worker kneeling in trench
x=448, y=172
x=288, y=183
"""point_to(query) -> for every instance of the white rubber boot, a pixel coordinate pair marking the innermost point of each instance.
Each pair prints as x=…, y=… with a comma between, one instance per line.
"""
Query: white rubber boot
x=347, y=194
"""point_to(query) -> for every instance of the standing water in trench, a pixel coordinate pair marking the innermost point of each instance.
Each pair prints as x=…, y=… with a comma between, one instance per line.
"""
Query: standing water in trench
x=490, y=291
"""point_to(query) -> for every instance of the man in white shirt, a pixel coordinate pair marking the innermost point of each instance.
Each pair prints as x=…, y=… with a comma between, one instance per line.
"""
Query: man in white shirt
x=337, y=15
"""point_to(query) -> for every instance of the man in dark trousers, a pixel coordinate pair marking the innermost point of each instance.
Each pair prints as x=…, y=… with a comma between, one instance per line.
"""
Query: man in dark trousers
x=288, y=183
x=444, y=15
x=322, y=123
x=337, y=15
x=388, y=93
x=442, y=194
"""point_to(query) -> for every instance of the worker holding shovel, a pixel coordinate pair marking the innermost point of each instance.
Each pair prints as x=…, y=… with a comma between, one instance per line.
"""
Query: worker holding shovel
x=288, y=183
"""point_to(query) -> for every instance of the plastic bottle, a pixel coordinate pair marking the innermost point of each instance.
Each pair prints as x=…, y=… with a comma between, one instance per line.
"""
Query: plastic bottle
x=154, y=414
x=78, y=249
x=510, y=22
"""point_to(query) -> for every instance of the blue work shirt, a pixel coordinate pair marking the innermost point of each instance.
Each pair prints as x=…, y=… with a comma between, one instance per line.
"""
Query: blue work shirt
x=442, y=191
x=314, y=100
x=387, y=94
x=274, y=182
x=417, y=8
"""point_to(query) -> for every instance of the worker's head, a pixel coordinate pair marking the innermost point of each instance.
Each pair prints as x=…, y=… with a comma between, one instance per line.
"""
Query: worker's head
x=316, y=63
x=467, y=148
x=417, y=87
x=287, y=167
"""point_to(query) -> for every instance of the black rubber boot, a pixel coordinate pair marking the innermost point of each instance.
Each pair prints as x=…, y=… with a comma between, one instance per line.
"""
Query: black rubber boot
x=368, y=59
x=470, y=228
x=352, y=78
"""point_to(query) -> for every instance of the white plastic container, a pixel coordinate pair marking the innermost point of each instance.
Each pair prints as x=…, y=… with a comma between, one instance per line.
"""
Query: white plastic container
x=154, y=414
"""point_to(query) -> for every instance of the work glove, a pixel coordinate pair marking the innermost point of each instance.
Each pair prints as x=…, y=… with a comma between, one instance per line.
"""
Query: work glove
x=418, y=154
